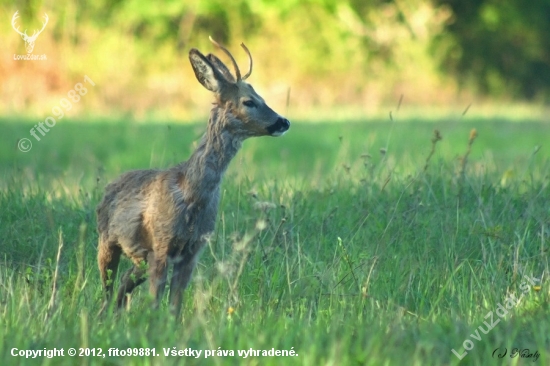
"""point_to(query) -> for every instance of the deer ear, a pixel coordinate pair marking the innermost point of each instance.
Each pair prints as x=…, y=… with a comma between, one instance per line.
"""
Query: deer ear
x=216, y=62
x=206, y=73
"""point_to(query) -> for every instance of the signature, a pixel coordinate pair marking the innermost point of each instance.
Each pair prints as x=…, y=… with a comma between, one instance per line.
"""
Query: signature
x=516, y=352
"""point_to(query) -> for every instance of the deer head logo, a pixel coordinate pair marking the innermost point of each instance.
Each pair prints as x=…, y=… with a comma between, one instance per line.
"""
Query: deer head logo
x=29, y=40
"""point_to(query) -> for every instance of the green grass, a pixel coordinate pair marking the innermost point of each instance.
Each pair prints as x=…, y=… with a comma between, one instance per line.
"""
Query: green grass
x=364, y=260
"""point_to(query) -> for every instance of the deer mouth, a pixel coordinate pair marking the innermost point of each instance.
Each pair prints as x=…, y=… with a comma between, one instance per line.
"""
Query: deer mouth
x=279, y=128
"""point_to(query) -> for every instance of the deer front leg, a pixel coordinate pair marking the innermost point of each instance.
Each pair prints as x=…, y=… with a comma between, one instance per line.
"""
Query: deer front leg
x=180, y=279
x=157, y=276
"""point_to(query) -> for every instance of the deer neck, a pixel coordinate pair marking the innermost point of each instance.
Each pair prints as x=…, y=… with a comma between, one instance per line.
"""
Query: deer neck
x=205, y=168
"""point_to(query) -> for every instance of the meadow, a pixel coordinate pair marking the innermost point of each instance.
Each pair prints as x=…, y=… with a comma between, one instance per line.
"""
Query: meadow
x=379, y=242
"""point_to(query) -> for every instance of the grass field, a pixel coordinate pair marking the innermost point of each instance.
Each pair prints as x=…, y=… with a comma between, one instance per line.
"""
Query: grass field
x=347, y=243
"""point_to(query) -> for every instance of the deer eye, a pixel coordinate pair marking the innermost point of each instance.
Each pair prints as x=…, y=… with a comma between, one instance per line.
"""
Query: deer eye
x=249, y=103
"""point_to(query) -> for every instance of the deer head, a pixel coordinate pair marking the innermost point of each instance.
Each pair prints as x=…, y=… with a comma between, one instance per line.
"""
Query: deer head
x=29, y=40
x=252, y=116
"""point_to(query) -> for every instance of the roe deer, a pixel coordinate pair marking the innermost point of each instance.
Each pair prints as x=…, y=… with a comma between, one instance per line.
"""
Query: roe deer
x=159, y=217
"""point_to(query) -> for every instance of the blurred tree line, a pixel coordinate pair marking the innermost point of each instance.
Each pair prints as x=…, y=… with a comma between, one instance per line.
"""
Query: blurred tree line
x=343, y=50
x=504, y=45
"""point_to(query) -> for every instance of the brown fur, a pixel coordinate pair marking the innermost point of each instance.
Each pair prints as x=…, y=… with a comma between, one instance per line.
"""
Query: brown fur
x=162, y=217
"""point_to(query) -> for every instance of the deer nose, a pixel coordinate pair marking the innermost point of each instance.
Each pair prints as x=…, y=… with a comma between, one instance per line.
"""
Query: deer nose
x=280, y=126
x=284, y=123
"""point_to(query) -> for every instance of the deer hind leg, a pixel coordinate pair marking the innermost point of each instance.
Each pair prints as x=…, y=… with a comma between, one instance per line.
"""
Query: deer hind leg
x=132, y=278
x=108, y=257
x=183, y=270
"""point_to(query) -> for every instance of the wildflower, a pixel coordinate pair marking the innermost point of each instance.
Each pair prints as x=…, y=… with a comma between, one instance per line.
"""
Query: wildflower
x=261, y=225
x=473, y=135
x=264, y=206
x=224, y=268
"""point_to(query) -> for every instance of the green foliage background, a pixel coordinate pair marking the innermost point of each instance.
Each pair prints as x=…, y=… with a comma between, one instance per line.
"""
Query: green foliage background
x=503, y=45
x=330, y=53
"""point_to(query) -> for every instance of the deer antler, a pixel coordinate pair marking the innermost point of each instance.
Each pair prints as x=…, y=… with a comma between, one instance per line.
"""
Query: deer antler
x=250, y=60
x=13, y=19
x=237, y=71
